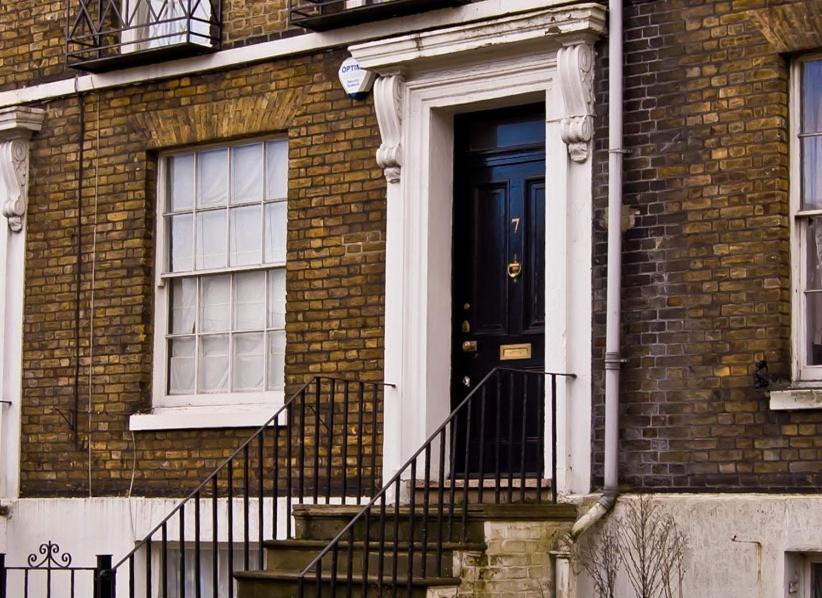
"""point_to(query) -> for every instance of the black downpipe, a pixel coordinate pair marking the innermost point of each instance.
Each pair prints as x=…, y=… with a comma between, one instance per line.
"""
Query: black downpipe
x=78, y=272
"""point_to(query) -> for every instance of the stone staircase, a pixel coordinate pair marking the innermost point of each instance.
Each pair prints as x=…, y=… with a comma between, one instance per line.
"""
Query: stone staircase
x=504, y=549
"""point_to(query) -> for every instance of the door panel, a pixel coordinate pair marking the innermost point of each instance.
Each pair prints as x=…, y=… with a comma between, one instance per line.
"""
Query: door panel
x=499, y=277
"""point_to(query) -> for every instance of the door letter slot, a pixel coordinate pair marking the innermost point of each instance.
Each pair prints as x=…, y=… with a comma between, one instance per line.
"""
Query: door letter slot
x=512, y=352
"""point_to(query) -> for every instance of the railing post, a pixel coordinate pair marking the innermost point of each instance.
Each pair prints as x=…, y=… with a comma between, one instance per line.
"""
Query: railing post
x=2, y=575
x=104, y=578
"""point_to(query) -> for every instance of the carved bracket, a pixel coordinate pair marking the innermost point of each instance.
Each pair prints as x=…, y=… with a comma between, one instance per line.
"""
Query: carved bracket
x=576, y=79
x=14, y=180
x=16, y=127
x=388, y=106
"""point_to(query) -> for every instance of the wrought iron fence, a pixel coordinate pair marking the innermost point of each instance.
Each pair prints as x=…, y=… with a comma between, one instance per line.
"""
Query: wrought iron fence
x=495, y=435
x=49, y=572
x=103, y=33
x=321, y=447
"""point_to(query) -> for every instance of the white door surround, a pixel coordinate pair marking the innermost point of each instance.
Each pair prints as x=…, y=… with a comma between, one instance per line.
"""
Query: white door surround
x=425, y=79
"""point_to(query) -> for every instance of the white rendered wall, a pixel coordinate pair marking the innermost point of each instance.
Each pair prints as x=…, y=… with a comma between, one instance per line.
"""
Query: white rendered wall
x=738, y=542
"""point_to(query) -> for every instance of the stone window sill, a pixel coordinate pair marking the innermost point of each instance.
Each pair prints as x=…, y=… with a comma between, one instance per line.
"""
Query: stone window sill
x=791, y=399
x=213, y=417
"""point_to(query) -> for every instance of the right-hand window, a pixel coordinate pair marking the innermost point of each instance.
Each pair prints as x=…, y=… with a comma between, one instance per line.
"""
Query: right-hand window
x=807, y=221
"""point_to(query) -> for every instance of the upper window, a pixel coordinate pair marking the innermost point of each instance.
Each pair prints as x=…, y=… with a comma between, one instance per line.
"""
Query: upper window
x=221, y=294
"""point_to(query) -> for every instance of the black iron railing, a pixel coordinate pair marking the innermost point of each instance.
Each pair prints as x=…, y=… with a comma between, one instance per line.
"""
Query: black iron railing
x=321, y=15
x=488, y=451
x=107, y=34
x=49, y=572
x=321, y=446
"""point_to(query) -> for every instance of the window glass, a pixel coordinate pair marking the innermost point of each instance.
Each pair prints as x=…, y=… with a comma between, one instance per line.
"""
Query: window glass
x=275, y=232
x=182, y=243
x=226, y=212
x=181, y=182
x=812, y=97
x=246, y=233
x=276, y=169
x=247, y=173
x=212, y=178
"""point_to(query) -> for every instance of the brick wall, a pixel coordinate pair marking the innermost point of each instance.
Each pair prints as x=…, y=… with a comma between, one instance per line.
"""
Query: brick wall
x=706, y=267
x=334, y=275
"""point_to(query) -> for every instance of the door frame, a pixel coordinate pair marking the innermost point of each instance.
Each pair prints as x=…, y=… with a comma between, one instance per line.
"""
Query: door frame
x=416, y=122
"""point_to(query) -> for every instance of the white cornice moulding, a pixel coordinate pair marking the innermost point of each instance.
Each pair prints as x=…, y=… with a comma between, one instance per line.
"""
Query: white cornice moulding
x=17, y=125
x=563, y=25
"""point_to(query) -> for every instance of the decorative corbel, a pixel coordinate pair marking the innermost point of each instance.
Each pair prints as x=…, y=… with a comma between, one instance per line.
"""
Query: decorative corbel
x=16, y=127
x=388, y=105
x=576, y=80
x=14, y=179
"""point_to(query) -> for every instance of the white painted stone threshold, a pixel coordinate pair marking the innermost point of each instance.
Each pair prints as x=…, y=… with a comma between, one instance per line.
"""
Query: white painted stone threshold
x=425, y=79
x=17, y=125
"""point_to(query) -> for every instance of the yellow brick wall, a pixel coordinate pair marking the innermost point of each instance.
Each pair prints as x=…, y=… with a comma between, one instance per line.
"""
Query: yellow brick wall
x=335, y=280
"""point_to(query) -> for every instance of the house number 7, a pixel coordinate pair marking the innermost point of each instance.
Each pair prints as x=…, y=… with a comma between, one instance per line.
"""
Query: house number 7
x=515, y=222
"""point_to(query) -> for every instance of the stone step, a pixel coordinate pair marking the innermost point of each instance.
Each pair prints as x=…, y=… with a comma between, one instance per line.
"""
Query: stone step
x=324, y=522
x=282, y=555
x=285, y=584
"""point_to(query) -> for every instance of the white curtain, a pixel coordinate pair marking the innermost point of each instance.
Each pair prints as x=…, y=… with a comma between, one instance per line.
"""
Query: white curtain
x=171, y=22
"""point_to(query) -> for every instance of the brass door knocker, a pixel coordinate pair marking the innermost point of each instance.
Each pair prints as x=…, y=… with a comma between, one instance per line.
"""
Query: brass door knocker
x=514, y=268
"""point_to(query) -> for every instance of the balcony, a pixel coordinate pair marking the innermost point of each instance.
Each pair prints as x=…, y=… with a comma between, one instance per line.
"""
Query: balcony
x=103, y=35
x=322, y=15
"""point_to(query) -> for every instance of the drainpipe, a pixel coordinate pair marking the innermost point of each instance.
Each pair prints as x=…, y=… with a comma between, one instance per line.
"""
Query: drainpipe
x=613, y=359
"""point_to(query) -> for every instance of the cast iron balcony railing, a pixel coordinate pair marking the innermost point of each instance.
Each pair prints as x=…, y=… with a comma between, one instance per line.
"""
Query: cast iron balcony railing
x=321, y=15
x=103, y=35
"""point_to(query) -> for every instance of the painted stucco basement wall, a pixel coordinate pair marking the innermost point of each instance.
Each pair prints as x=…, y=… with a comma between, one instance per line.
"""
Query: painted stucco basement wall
x=738, y=544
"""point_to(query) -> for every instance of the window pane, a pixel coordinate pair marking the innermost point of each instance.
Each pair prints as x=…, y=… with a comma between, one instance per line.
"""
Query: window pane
x=276, y=298
x=813, y=308
x=249, y=301
x=183, y=305
x=213, y=369
x=181, y=182
x=211, y=240
x=181, y=366
x=246, y=245
x=247, y=173
x=212, y=178
x=275, y=232
x=276, y=360
x=812, y=97
x=249, y=362
x=181, y=243
x=276, y=169
x=813, y=243
x=812, y=173
x=214, y=303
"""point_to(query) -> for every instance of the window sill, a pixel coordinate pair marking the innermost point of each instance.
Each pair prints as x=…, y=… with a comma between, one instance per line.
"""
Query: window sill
x=210, y=417
x=795, y=398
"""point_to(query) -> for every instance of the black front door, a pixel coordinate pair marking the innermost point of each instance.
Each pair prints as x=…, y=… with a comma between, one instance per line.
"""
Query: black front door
x=499, y=260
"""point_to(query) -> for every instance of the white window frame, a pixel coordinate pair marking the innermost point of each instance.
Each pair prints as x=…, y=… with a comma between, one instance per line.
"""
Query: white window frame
x=228, y=409
x=802, y=374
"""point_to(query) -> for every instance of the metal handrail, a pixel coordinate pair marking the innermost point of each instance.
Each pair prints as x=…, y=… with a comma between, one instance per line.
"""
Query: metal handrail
x=410, y=467
x=266, y=457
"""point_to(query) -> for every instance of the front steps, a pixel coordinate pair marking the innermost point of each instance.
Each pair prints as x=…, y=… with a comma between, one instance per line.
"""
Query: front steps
x=506, y=549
